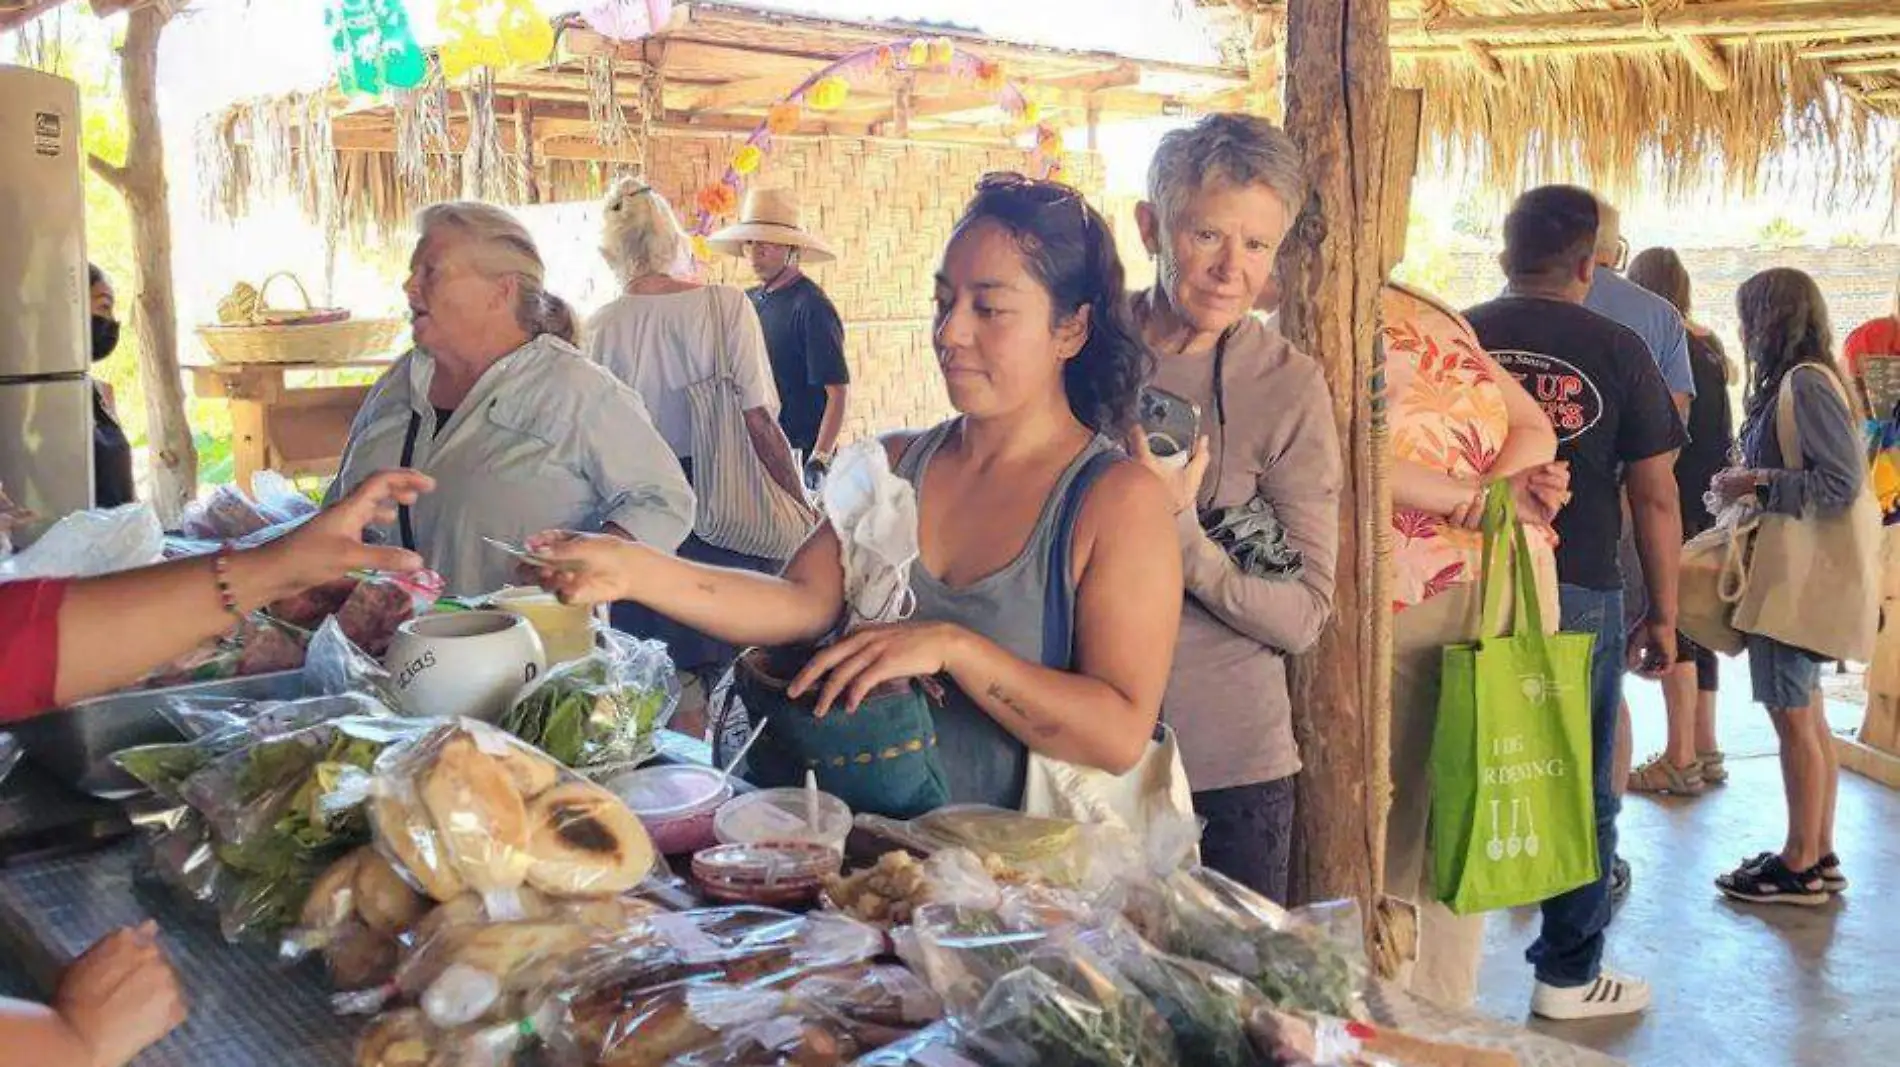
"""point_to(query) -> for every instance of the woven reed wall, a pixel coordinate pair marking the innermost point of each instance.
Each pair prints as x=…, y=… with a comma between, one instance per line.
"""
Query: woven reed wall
x=1858, y=282
x=887, y=209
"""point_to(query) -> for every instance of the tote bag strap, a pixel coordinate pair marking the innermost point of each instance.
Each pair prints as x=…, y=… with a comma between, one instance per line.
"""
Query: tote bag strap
x=723, y=368
x=1500, y=524
x=1058, y=602
x=1787, y=427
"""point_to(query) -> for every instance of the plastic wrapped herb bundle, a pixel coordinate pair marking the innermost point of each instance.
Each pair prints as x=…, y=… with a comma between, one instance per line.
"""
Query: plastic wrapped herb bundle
x=1204, y=1006
x=599, y=713
x=254, y=820
x=1308, y=960
x=1068, y=1007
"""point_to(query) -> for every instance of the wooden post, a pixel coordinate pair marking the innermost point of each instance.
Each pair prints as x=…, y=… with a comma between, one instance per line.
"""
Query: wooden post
x=141, y=181
x=525, y=147
x=1337, y=100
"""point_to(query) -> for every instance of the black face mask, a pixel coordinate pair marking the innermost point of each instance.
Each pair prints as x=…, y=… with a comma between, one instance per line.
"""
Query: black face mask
x=105, y=337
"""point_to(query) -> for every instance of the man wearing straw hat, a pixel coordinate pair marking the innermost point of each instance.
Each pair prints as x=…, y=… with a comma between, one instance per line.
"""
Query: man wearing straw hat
x=803, y=335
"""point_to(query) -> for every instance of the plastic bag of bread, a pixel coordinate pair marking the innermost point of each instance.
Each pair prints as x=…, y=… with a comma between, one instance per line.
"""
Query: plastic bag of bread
x=405, y=1038
x=614, y=990
x=468, y=808
x=826, y=1020
x=461, y=966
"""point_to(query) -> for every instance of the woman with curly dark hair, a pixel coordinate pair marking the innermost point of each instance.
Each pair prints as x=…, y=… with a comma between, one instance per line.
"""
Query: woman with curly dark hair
x=1024, y=502
x=1789, y=346
x=1221, y=196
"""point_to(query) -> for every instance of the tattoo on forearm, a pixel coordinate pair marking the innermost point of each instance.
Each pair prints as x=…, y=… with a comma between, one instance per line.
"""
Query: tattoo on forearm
x=996, y=693
x=707, y=587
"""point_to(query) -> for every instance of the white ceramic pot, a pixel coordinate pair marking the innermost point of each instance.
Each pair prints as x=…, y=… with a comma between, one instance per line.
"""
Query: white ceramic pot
x=469, y=663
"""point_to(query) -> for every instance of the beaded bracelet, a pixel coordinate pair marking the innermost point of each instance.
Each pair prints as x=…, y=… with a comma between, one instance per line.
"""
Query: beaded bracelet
x=221, y=572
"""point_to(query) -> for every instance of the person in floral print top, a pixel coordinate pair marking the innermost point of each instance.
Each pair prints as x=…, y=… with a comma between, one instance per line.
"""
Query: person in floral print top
x=1458, y=423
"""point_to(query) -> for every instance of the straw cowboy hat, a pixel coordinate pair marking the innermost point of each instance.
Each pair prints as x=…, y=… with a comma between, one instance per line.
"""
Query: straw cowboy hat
x=771, y=216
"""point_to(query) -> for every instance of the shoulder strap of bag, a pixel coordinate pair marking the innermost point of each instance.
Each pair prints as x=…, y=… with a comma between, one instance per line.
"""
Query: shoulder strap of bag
x=1058, y=601
x=403, y=523
x=722, y=347
x=1787, y=427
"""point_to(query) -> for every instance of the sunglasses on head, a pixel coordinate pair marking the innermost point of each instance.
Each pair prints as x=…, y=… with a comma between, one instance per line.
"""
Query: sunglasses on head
x=1042, y=192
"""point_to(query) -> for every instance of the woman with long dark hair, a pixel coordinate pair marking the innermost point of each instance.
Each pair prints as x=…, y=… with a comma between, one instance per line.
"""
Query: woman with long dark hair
x=1040, y=361
x=1692, y=760
x=1787, y=340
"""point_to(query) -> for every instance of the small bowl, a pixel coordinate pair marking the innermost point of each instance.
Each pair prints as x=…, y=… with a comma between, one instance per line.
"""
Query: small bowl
x=773, y=874
x=677, y=804
x=779, y=815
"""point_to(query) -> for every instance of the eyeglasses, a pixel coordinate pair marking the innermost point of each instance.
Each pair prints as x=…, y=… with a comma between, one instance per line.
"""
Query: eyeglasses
x=1042, y=192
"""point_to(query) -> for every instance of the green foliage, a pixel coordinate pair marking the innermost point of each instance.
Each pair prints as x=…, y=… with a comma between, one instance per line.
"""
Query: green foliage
x=1779, y=232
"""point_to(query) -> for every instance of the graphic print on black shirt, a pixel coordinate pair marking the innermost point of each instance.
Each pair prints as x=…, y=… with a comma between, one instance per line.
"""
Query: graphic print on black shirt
x=1597, y=382
x=1568, y=396
x=804, y=339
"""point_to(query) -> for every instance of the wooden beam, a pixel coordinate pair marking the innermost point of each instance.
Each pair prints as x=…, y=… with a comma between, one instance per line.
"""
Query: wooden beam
x=1481, y=58
x=1719, y=17
x=1706, y=60
x=1338, y=99
x=1866, y=66
x=1856, y=50
x=748, y=91
x=1449, y=51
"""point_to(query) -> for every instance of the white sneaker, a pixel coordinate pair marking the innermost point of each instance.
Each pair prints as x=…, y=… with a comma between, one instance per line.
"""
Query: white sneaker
x=1611, y=994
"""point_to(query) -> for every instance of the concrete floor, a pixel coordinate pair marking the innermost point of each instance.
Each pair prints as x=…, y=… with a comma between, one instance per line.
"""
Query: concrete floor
x=1736, y=985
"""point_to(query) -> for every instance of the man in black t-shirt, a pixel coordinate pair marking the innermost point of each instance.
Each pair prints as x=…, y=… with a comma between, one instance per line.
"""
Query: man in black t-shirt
x=804, y=336
x=1618, y=430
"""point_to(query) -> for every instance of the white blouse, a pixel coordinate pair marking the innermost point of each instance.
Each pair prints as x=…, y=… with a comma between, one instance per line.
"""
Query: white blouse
x=545, y=440
x=661, y=343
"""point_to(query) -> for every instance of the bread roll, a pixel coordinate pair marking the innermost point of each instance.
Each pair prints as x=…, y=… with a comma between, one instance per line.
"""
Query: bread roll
x=384, y=901
x=404, y=830
x=586, y=843
x=472, y=799
x=533, y=773
x=398, y=1039
x=332, y=898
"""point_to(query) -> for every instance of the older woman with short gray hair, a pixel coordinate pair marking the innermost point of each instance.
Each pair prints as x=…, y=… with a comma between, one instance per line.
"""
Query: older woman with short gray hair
x=1257, y=503
x=520, y=431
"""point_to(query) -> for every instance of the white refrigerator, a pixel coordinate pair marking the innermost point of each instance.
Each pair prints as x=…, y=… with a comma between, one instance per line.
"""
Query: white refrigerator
x=45, y=332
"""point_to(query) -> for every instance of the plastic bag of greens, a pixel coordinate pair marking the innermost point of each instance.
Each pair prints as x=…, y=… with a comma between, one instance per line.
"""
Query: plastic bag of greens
x=262, y=812
x=1310, y=960
x=1066, y=1006
x=1205, y=1007
x=599, y=713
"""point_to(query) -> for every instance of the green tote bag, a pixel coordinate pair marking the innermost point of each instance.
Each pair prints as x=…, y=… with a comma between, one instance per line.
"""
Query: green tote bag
x=1513, y=817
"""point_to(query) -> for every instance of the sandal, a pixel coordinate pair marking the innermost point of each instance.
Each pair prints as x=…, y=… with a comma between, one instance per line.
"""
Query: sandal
x=1771, y=882
x=1829, y=870
x=1714, y=767
x=1658, y=775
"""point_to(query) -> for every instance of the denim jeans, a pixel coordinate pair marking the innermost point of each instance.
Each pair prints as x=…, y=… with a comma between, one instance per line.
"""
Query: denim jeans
x=1249, y=834
x=1569, y=951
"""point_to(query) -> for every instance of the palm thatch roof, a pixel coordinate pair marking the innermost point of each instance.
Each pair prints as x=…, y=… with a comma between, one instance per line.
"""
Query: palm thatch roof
x=1629, y=93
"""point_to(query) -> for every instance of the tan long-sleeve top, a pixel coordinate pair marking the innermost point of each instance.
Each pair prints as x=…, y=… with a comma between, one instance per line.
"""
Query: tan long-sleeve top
x=1227, y=697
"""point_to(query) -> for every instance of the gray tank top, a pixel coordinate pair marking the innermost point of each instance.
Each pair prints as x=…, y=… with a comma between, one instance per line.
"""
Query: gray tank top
x=983, y=762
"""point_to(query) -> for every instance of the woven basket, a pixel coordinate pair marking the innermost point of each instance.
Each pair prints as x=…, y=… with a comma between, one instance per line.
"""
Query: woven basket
x=277, y=336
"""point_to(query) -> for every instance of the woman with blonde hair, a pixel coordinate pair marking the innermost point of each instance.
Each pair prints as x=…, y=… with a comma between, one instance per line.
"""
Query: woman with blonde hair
x=663, y=335
x=516, y=427
x=1789, y=345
